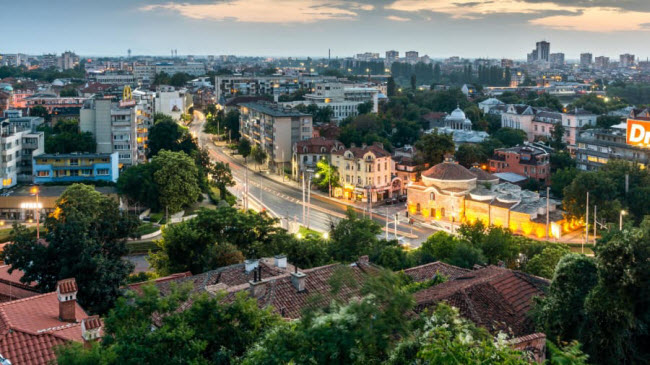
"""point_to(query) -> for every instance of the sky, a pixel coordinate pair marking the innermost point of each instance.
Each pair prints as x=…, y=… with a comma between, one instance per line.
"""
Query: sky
x=299, y=28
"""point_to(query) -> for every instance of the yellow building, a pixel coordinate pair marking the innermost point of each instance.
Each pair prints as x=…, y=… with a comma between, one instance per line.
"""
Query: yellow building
x=450, y=194
x=364, y=170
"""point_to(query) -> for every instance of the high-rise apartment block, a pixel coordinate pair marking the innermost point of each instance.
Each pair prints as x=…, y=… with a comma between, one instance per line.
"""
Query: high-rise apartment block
x=557, y=59
x=601, y=62
x=626, y=60
x=586, y=59
x=543, y=51
x=392, y=56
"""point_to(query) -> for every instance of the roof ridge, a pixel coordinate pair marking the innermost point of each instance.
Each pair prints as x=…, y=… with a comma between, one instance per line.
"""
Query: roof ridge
x=6, y=304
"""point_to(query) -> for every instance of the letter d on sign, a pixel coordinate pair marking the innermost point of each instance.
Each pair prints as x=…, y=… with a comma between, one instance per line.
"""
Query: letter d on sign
x=637, y=132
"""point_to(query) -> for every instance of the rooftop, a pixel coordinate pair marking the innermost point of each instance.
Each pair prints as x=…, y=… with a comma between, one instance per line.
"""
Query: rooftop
x=495, y=298
x=274, y=110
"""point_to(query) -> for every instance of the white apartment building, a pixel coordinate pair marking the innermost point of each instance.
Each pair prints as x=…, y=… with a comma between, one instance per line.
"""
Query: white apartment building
x=144, y=112
x=172, y=102
x=274, y=128
x=228, y=86
x=16, y=148
x=538, y=123
x=114, y=128
x=147, y=72
x=342, y=99
x=114, y=79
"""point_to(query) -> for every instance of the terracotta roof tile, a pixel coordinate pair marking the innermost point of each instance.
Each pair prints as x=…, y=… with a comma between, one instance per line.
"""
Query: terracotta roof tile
x=30, y=328
x=492, y=297
x=427, y=271
x=449, y=171
x=67, y=286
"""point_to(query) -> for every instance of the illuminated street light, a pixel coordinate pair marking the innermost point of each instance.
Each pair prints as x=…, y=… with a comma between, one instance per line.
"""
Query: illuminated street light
x=620, y=220
x=326, y=235
x=299, y=235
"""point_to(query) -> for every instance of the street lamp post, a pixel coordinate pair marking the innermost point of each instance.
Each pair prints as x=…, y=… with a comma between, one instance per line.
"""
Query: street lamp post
x=620, y=220
x=35, y=191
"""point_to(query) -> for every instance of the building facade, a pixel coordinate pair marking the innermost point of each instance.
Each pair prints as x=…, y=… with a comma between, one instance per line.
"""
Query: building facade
x=16, y=148
x=274, y=128
x=529, y=161
x=596, y=147
x=364, y=172
x=114, y=128
x=75, y=167
x=450, y=194
x=307, y=153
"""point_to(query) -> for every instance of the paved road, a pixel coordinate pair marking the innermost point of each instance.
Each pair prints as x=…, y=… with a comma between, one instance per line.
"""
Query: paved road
x=286, y=200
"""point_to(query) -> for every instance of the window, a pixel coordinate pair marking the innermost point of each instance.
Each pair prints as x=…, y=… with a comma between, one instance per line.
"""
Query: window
x=43, y=173
x=102, y=172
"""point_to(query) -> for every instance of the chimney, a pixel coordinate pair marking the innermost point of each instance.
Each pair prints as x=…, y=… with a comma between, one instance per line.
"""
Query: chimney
x=281, y=261
x=66, y=291
x=91, y=330
x=251, y=265
x=257, y=285
x=298, y=280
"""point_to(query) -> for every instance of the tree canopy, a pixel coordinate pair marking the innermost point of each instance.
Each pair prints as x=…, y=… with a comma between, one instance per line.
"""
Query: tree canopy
x=86, y=238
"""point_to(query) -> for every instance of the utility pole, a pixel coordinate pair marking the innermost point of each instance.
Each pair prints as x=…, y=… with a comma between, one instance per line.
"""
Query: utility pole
x=548, y=190
x=396, y=220
x=595, y=210
x=386, y=223
x=308, y=200
x=303, y=197
x=586, y=224
x=261, y=188
x=329, y=164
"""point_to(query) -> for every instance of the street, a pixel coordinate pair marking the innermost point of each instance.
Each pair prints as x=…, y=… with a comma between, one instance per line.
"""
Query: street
x=285, y=200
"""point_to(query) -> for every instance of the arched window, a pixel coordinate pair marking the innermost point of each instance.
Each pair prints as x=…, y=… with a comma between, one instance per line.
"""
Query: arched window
x=432, y=196
x=442, y=212
x=418, y=207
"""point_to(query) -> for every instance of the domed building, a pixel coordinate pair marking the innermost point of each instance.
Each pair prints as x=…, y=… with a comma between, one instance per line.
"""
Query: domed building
x=457, y=120
x=450, y=194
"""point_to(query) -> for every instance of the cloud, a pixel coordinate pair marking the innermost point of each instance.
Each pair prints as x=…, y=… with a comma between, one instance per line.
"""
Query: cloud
x=266, y=11
x=600, y=20
x=397, y=18
x=579, y=15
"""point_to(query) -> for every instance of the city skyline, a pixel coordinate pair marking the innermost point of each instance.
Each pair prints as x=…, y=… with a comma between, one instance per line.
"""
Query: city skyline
x=439, y=28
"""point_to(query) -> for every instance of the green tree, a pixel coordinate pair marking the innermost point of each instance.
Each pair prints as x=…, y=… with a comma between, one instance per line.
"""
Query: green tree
x=391, y=88
x=326, y=176
x=561, y=313
x=447, y=338
x=432, y=147
x=40, y=111
x=557, y=136
x=222, y=177
x=601, y=194
x=561, y=160
x=544, y=264
x=86, y=238
x=606, y=121
x=138, y=185
x=365, y=108
x=259, y=155
x=510, y=137
x=353, y=237
x=211, y=331
x=496, y=243
x=244, y=147
x=469, y=154
x=561, y=179
x=361, y=332
x=413, y=82
x=177, y=179
x=447, y=248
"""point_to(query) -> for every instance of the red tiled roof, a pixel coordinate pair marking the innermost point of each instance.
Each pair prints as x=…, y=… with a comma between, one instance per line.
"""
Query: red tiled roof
x=314, y=145
x=280, y=293
x=22, y=348
x=30, y=327
x=67, y=286
x=495, y=298
x=449, y=171
x=359, y=152
x=12, y=288
x=92, y=322
x=427, y=271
